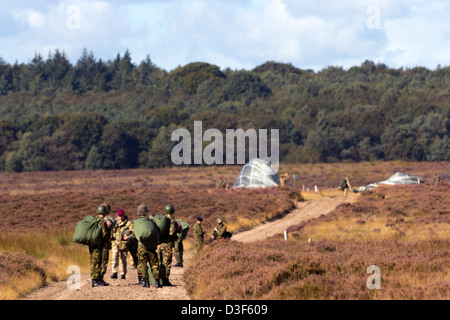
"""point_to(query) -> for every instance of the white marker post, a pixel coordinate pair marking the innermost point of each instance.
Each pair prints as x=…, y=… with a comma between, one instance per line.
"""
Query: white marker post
x=285, y=235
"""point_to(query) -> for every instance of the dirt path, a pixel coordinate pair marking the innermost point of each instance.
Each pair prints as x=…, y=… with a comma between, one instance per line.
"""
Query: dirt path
x=129, y=290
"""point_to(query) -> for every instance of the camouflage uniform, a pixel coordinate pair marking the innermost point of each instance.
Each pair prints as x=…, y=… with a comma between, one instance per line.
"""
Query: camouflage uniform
x=221, y=230
x=198, y=236
x=97, y=252
x=165, y=250
x=220, y=184
x=178, y=251
x=145, y=257
x=119, y=245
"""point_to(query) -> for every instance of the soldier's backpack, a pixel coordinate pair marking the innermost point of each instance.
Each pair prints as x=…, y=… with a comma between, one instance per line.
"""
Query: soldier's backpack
x=184, y=229
x=146, y=233
x=163, y=224
x=88, y=232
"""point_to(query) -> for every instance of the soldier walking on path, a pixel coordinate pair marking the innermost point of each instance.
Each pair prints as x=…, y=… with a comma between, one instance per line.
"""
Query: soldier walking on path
x=97, y=252
x=165, y=249
x=145, y=257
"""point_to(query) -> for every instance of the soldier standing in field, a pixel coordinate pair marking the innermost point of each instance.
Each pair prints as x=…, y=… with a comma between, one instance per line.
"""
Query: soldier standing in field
x=345, y=186
x=198, y=235
x=96, y=252
x=120, y=234
x=165, y=249
x=145, y=257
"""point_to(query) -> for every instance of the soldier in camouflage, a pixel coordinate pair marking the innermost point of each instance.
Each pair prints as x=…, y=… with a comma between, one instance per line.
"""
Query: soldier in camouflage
x=220, y=231
x=107, y=247
x=198, y=235
x=145, y=257
x=120, y=235
x=165, y=249
x=96, y=252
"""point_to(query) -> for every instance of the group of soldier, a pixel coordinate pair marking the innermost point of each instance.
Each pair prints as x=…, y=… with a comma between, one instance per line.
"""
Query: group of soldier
x=118, y=236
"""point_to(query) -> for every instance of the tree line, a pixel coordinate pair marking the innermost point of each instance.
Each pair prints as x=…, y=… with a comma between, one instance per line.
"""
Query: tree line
x=115, y=114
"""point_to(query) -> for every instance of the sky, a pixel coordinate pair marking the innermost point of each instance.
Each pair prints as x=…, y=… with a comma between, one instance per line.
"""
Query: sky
x=235, y=34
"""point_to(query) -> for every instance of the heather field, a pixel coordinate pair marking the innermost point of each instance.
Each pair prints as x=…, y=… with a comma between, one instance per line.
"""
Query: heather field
x=403, y=230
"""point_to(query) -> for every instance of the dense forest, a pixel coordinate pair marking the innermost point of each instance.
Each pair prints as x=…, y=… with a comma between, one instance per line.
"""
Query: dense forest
x=115, y=114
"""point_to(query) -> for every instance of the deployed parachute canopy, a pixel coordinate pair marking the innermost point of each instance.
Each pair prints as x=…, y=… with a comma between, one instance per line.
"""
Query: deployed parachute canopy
x=257, y=173
x=397, y=178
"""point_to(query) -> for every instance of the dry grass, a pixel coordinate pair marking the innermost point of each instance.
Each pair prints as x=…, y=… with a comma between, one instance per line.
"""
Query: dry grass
x=405, y=230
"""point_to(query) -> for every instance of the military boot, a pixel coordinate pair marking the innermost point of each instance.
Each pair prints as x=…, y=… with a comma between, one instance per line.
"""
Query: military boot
x=103, y=283
x=95, y=283
x=145, y=283
x=158, y=283
x=114, y=275
x=140, y=281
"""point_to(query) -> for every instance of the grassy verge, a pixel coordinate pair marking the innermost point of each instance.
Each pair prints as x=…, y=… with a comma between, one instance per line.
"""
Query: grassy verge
x=30, y=260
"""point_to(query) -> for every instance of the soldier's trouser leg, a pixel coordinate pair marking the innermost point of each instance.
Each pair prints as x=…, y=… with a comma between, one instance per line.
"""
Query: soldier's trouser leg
x=133, y=252
x=95, y=262
x=105, y=258
x=115, y=260
x=123, y=259
x=154, y=265
x=142, y=267
x=151, y=257
x=178, y=251
x=166, y=252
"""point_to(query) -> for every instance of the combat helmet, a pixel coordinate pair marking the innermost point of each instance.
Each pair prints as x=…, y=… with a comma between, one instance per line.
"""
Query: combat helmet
x=142, y=210
x=169, y=209
x=101, y=209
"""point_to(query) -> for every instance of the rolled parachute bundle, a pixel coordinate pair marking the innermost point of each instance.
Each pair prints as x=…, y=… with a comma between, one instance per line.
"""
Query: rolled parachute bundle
x=88, y=232
x=184, y=229
x=146, y=233
x=163, y=224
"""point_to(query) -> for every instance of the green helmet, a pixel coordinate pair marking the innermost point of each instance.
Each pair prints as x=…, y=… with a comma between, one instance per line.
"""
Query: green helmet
x=219, y=220
x=101, y=209
x=169, y=209
x=107, y=206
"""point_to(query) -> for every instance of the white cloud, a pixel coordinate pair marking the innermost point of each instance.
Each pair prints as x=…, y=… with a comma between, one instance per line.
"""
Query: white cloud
x=235, y=34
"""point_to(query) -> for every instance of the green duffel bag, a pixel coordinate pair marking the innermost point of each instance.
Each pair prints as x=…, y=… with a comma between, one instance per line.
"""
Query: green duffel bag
x=184, y=229
x=146, y=233
x=163, y=224
x=88, y=232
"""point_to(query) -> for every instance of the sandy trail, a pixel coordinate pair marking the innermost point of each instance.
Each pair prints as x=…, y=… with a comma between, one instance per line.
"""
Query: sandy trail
x=128, y=289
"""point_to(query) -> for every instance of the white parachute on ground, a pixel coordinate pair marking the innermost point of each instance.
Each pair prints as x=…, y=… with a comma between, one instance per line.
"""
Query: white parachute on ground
x=396, y=179
x=257, y=173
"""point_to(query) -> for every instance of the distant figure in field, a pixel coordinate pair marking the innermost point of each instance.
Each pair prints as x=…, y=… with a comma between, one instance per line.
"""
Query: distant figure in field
x=198, y=235
x=345, y=186
x=220, y=184
x=436, y=178
x=284, y=177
